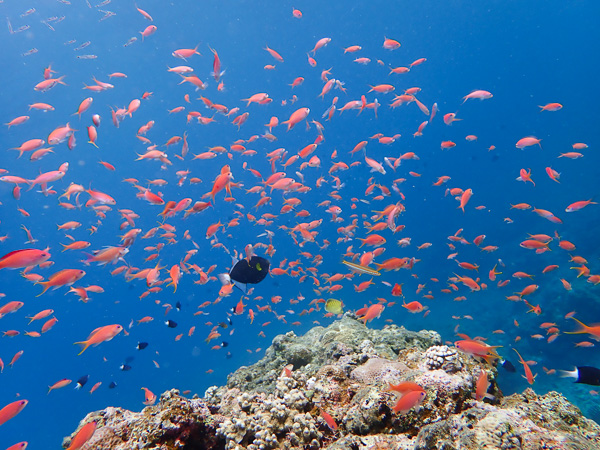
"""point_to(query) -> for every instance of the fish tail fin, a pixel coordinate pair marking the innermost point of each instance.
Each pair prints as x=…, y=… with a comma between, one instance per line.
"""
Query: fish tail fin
x=569, y=373
x=582, y=327
x=490, y=359
x=172, y=283
x=46, y=286
x=85, y=346
x=520, y=357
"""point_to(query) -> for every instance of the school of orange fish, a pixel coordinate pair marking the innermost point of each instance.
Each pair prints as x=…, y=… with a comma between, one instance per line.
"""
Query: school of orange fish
x=368, y=230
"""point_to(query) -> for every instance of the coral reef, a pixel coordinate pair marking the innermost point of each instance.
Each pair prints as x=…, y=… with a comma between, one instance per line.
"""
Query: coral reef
x=330, y=389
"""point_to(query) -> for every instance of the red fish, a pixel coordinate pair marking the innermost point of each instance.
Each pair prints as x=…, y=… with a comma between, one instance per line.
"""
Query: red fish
x=149, y=397
x=297, y=116
x=579, y=205
x=11, y=410
x=551, y=107
x=482, y=386
x=373, y=312
x=408, y=401
x=99, y=335
x=84, y=434
x=10, y=307
x=328, y=420
x=390, y=44
x=65, y=277
x=414, y=307
x=527, y=142
x=480, y=94
x=19, y=259
x=528, y=375
x=216, y=73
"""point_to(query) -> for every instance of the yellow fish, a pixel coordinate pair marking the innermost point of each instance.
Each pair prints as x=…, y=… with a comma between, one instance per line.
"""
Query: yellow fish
x=334, y=306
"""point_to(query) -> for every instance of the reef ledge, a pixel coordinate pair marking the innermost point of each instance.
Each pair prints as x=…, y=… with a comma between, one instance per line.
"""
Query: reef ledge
x=329, y=389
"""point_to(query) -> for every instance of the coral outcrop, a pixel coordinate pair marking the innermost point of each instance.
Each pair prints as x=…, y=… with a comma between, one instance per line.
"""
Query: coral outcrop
x=330, y=389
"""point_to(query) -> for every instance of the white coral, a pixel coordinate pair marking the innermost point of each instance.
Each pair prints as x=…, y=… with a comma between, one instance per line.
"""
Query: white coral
x=443, y=357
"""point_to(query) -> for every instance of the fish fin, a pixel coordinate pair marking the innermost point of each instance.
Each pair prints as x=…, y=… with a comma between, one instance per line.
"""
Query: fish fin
x=241, y=286
x=569, y=373
x=224, y=278
x=85, y=346
x=234, y=260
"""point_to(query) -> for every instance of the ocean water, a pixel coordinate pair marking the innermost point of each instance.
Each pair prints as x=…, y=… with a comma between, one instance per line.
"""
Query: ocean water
x=524, y=53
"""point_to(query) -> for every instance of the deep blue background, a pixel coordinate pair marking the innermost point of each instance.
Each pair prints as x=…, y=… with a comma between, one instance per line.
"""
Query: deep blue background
x=525, y=53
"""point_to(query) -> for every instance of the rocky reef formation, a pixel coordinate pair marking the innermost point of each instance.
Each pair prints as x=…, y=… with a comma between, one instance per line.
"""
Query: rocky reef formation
x=329, y=389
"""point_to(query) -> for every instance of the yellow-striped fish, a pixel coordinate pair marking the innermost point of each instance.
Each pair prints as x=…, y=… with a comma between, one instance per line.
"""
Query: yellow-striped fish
x=361, y=269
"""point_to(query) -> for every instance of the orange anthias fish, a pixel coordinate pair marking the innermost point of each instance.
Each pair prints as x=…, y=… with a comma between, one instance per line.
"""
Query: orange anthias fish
x=222, y=182
x=106, y=256
x=65, y=277
x=297, y=116
x=175, y=273
x=464, y=199
x=329, y=420
x=397, y=290
x=11, y=410
x=84, y=434
x=409, y=400
x=19, y=259
x=579, y=205
x=150, y=397
x=10, y=307
x=412, y=395
x=482, y=386
x=373, y=312
x=528, y=375
x=414, y=307
x=59, y=384
x=479, y=349
x=99, y=335
x=405, y=387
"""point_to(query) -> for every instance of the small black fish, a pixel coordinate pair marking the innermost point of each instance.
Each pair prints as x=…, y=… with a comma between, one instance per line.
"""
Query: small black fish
x=141, y=345
x=224, y=344
x=125, y=367
x=178, y=306
x=171, y=323
x=112, y=385
x=81, y=382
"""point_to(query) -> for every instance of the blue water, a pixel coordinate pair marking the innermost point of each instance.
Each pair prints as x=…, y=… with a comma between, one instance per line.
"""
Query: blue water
x=525, y=54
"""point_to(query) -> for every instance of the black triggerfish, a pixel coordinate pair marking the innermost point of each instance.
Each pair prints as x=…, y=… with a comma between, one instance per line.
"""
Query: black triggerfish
x=252, y=272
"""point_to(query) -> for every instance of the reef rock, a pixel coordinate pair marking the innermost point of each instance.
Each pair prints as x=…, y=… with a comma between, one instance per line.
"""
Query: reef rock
x=330, y=389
